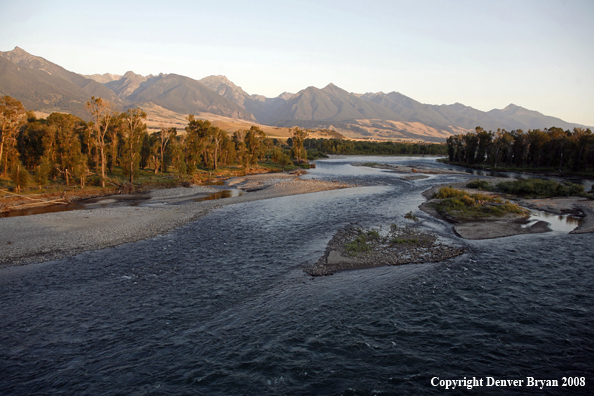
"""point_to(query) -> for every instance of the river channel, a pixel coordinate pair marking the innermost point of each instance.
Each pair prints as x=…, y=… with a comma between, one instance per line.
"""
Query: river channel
x=222, y=306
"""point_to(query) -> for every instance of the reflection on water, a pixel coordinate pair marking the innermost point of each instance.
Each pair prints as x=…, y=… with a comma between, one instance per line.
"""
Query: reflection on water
x=561, y=223
x=220, y=194
x=588, y=184
x=43, y=209
x=114, y=201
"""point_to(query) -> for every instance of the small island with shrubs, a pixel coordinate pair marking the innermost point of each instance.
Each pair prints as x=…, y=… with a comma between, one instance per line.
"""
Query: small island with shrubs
x=358, y=248
x=483, y=209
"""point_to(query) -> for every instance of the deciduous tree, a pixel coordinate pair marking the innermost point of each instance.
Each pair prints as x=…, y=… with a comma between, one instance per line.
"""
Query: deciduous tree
x=134, y=130
x=12, y=116
x=101, y=113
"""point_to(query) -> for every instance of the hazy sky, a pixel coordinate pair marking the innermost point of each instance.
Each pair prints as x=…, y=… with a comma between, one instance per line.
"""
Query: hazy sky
x=484, y=54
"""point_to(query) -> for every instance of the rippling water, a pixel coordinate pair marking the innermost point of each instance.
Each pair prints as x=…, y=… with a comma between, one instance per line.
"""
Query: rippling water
x=222, y=307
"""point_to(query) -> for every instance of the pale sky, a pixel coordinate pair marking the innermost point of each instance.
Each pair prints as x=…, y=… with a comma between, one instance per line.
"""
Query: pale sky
x=484, y=54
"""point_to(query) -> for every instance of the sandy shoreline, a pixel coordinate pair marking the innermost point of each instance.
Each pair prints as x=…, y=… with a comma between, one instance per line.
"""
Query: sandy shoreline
x=50, y=236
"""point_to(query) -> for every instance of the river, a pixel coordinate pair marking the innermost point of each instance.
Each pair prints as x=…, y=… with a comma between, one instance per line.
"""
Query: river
x=222, y=306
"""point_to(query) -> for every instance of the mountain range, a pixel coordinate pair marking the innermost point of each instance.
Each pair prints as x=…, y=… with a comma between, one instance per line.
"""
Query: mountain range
x=45, y=86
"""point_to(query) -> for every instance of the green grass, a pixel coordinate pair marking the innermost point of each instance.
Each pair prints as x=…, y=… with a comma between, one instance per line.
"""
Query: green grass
x=360, y=244
x=482, y=185
x=461, y=205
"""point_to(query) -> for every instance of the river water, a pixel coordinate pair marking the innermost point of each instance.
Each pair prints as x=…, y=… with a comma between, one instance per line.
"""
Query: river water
x=223, y=307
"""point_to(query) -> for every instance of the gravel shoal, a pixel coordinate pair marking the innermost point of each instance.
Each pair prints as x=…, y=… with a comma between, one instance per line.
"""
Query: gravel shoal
x=403, y=245
x=50, y=236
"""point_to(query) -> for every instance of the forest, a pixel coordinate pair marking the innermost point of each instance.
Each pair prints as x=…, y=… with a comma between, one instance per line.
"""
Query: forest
x=353, y=147
x=548, y=149
x=64, y=148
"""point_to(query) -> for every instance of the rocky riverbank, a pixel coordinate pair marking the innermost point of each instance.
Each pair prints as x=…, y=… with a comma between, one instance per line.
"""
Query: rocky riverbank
x=50, y=236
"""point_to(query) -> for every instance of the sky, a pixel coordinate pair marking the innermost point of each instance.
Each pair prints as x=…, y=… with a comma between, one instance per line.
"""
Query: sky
x=484, y=54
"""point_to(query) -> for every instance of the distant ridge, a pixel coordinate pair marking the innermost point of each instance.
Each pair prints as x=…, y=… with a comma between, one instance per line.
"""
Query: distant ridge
x=102, y=78
x=22, y=58
x=44, y=86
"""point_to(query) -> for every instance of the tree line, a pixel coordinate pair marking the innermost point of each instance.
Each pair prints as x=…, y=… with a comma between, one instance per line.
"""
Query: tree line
x=549, y=148
x=63, y=146
x=352, y=147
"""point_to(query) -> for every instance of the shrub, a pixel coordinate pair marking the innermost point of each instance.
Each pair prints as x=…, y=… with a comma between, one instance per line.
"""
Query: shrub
x=410, y=215
x=459, y=204
x=482, y=185
x=540, y=188
x=448, y=192
x=372, y=234
x=20, y=177
x=359, y=245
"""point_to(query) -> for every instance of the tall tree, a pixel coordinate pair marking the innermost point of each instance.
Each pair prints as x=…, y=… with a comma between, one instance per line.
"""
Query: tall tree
x=68, y=154
x=101, y=113
x=12, y=116
x=298, y=138
x=134, y=131
x=164, y=136
x=254, y=144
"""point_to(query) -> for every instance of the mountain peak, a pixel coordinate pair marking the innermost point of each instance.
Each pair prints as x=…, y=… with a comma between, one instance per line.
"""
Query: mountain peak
x=18, y=54
x=219, y=79
x=129, y=74
x=333, y=89
x=286, y=95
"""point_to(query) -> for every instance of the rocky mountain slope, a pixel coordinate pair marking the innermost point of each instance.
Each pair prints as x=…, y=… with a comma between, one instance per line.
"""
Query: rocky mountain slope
x=44, y=86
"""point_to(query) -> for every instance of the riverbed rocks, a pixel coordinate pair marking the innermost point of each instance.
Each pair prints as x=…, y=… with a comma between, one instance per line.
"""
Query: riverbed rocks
x=50, y=236
x=401, y=245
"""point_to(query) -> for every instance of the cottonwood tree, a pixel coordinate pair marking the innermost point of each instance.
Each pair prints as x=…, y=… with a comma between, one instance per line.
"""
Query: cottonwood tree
x=101, y=113
x=12, y=116
x=163, y=138
x=254, y=143
x=298, y=138
x=65, y=151
x=134, y=130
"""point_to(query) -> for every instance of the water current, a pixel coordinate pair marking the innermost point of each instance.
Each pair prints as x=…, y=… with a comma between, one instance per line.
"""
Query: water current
x=223, y=307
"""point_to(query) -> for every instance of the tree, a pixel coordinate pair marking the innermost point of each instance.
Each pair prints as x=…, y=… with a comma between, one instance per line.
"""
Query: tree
x=254, y=139
x=63, y=143
x=134, y=130
x=20, y=177
x=297, y=140
x=101, y=112
x=12, y=117
x=178, y=157
x=284, y=160
x=164, y=135
x=43, y=171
